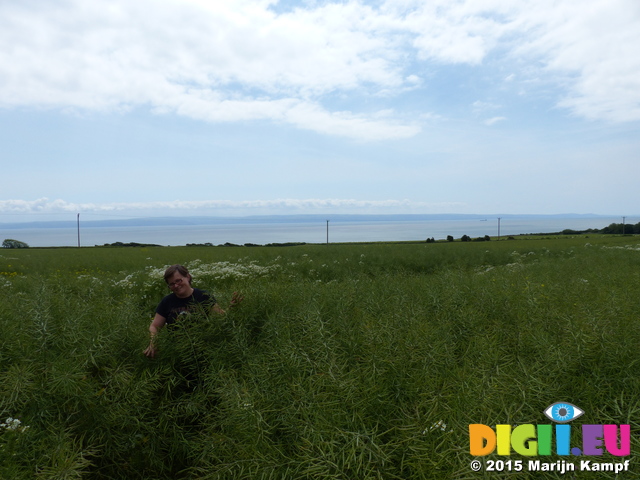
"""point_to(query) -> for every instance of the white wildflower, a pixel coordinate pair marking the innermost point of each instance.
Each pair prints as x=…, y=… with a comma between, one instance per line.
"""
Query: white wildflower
x=484, y=269
x=626, y=247
x=226, y=270
x=439, y=425
x=91, y=279
x=13, y=425
x=125, y=282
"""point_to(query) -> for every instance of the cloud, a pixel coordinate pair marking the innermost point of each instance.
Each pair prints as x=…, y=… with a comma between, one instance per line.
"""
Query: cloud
x=245, y=60
x=456, y=32
x=585, y=48
x=590, y=48
x=207, y=60
x=46, y=206
x=494, y=120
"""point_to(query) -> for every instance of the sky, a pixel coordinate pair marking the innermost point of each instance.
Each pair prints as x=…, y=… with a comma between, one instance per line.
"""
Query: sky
x=137, y=108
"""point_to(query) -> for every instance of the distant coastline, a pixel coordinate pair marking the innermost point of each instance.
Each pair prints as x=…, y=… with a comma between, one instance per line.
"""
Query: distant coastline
x=281, y=229
x=285, y=219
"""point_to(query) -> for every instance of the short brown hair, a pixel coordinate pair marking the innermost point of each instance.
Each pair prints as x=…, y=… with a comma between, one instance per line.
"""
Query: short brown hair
x=181, y=269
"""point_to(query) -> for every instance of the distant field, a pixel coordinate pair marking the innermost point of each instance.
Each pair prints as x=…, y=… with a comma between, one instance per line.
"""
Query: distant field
x=352, y=361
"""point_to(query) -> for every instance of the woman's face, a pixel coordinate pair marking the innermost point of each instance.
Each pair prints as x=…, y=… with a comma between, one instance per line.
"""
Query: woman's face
x=180, y=285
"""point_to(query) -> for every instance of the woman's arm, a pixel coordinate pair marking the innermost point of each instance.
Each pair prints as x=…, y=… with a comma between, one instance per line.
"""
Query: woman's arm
x=156, y=324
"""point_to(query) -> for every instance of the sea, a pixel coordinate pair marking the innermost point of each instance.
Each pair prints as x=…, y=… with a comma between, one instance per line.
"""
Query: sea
x=295, y=229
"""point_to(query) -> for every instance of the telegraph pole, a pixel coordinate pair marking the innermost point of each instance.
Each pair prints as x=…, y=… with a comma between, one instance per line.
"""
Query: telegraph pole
x=327, y=232
x=78, y=230
x=498, y=228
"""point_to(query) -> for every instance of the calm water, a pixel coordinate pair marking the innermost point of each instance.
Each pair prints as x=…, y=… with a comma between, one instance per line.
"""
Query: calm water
x=309, y=232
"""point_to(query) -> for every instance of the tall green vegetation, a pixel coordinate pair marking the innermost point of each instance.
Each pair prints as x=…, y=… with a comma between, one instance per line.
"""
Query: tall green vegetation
x=343, y=362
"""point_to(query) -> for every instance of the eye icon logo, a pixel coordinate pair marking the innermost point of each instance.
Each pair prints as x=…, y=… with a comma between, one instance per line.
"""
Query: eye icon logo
x=562, y=412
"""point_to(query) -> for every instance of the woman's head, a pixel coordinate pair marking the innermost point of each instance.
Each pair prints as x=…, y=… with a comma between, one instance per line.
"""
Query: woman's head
x=180, y=270
x=178, y=279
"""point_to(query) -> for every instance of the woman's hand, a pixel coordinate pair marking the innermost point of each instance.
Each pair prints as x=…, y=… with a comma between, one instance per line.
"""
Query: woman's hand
x=156, y=324
x=150, y=351
x=236, y=299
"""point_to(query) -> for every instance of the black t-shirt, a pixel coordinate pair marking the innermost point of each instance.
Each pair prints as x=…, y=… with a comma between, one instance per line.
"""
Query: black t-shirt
x=171, y=306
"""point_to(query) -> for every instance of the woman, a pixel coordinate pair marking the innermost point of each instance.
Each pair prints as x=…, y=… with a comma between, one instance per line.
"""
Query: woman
x=182, y=299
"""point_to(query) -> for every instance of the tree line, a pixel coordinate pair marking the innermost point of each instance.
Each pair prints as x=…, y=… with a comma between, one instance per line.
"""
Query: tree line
x=611, y=229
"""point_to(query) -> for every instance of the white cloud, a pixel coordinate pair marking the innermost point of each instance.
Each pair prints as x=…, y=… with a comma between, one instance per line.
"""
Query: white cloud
x=209, y=60
x=455, y=31
x=46, y=206
x=591, y=48
x=494, y=120
x=238, y=60
x=588, y=48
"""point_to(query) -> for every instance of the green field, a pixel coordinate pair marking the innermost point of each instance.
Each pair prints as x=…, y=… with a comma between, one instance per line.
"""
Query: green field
x=355, y=361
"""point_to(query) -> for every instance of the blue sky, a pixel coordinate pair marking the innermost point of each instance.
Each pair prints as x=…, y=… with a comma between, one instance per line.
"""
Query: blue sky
x=244, y=107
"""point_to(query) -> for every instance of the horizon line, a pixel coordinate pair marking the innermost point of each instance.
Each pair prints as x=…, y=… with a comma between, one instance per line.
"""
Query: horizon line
x=190, y=219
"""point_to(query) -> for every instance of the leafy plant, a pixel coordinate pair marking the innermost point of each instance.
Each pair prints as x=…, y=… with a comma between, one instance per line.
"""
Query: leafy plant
x=344, y=361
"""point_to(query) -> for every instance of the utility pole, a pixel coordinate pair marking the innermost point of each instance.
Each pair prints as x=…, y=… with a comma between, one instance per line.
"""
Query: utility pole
x=78, y=230
x=498, y=228
x=327, y=232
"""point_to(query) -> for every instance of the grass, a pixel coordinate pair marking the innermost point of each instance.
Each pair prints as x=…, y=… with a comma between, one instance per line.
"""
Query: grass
x=341, y=363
